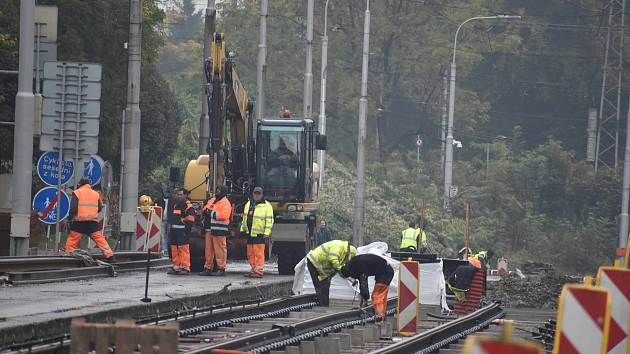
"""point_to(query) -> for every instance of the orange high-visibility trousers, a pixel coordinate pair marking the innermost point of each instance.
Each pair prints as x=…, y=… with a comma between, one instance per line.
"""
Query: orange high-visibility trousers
x=256, y=257
x=216, y=247
x=181, y=257
x=75, y=237
x=379, y=299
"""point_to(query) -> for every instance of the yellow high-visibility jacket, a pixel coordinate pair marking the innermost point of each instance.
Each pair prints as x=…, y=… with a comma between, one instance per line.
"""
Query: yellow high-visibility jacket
x=329, y=257
x=410, y=238
x=262, y=220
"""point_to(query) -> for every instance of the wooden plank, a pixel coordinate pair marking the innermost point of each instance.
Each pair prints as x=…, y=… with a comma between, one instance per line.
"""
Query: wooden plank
x=126, y=338
x=168, y=337
x=80, y=338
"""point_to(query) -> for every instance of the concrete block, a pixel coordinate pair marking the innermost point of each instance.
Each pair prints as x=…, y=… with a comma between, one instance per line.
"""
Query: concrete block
x=358, y=336
x=386, y=330
x=327, y=345
x=307, y=347
x=370, y=333
x=345, y=340
x=292, y=349
x=276, y=352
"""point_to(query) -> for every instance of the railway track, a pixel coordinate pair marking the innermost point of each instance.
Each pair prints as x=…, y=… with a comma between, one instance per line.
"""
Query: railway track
x=297, y=325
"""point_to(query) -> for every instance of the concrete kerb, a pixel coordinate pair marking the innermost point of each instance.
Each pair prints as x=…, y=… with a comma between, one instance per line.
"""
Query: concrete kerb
x=61, y=326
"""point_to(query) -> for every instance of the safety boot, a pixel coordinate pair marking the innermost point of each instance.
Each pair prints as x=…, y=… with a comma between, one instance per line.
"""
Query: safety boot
x=206, y=273
x=173, y=271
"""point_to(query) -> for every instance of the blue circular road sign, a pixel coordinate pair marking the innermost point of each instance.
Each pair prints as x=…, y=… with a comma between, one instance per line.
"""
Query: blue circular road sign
x=48, y=169
x=45, y=202
x=93, y=169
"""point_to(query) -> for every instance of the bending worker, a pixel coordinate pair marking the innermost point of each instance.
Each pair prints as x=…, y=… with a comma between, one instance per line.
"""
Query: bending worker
x=216, y=219
x=257, y=224
x=366, y=265
x=181, y=220
x=84, y=208
x=410, y=235
x=324, y=262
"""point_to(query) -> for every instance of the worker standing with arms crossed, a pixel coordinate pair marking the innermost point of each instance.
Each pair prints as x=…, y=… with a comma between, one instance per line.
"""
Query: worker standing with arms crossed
x=216, y=218
x=181, y=220
x=366, y=265
x=257, y=223
x=84, y=208
x=324, y=262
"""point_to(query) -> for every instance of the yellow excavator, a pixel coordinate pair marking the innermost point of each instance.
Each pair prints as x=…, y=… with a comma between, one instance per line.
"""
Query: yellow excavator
x=274, y=153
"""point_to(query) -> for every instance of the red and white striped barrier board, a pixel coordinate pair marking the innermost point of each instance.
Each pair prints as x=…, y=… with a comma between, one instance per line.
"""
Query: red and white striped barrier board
x=477, y=345
x=617, y=281
x=154, y=227
x=408, y=297
x=583, y=320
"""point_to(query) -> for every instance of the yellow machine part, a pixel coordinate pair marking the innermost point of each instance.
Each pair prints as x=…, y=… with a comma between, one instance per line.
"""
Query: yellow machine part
x=195, y=176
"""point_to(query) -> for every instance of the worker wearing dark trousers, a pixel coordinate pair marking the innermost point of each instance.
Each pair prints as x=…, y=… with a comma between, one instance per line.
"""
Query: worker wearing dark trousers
x=181, y=219
x=324, y=262
x=366, y=265
x=84, y=208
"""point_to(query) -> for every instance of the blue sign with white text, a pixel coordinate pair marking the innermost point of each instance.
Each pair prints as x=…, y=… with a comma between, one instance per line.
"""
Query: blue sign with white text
x=48, y=169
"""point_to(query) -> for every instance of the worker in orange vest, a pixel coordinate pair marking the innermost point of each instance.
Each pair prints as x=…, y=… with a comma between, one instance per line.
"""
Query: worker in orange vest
x=181, y=219
x=216, y=217
x=84, y=208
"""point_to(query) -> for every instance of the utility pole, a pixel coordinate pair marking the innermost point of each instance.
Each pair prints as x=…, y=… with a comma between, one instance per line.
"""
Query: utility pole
x=132, y=122
x=358, y=228
x=321, y=154
x=444, y=117
x=308, y=70
x=625, y=196
x=22, y=178
x=607, y=148
x=204, y=120
x=262, y=63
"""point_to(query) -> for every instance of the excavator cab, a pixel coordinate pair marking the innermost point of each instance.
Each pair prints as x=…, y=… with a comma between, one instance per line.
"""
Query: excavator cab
x=286, y=171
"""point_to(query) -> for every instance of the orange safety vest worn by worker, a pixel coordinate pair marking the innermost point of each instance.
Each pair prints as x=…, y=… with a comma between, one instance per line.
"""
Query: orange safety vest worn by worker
x=475, y=262
x=217, y=214
x=88, y=203
x=85, y=220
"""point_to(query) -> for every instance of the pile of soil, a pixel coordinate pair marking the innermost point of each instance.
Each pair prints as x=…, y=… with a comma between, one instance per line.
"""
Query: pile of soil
x=540, y=290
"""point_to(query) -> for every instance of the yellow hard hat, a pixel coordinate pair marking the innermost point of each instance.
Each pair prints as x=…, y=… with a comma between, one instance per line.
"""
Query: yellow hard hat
x=146, y=201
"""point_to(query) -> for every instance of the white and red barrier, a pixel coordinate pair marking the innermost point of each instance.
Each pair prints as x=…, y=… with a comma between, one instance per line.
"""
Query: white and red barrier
x=502, y=266
x=408, y=296
x=479, y=345
x=151, y=228
x=583, y=320
x=617, y=282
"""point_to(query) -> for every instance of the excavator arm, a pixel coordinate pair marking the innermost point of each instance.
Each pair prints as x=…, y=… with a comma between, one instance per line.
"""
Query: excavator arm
x=231, y=143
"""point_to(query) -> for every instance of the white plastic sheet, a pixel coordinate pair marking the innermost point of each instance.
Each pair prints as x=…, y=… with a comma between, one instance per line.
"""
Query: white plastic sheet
x=432, y=284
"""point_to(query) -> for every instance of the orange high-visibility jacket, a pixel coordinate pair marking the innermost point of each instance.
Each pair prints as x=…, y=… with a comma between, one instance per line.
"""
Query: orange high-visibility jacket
x=218, y=216
x=88, y=203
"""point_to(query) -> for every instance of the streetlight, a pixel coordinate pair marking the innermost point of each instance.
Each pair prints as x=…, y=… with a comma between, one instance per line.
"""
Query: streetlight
x=358, y=227
x=322, y=101
x=448, y=163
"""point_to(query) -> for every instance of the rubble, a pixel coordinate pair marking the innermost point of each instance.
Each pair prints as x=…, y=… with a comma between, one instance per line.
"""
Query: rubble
x=539, y=290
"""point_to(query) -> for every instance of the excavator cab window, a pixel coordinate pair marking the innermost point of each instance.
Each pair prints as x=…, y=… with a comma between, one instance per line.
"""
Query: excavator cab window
x=281, y=162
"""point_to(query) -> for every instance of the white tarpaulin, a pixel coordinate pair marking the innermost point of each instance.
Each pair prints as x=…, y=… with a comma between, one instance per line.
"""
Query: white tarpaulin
x=432, y=284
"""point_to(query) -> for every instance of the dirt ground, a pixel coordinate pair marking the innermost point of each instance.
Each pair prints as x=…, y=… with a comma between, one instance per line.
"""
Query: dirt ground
x=539, y=289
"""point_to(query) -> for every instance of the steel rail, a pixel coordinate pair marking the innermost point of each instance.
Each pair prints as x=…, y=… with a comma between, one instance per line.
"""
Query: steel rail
x=218, y=315
x=432, y=340
x=281, y=336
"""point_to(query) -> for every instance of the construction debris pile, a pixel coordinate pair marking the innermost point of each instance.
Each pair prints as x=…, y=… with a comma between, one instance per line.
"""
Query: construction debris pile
x=540, y=287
